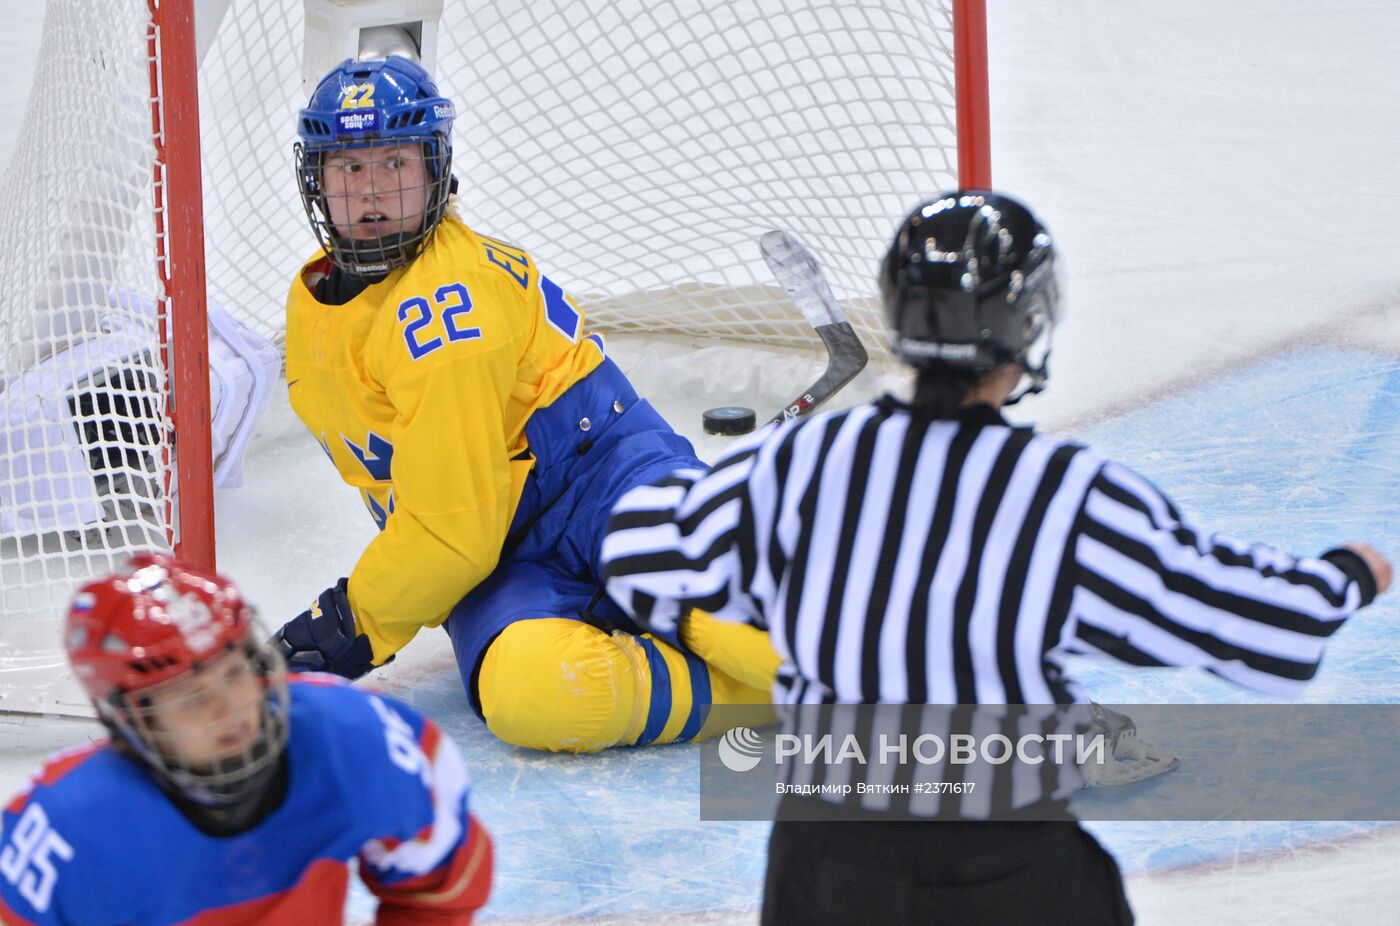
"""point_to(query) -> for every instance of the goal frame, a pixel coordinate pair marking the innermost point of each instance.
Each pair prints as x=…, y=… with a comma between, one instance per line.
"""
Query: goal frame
x=179, y=223
x=180, y=233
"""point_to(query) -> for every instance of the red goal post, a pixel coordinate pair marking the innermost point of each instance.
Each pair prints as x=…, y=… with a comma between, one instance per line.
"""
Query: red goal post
x=179, y=242
x=974, y=124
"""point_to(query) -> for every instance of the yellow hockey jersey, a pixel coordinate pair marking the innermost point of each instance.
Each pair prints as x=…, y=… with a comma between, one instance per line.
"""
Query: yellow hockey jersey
x=419, y=390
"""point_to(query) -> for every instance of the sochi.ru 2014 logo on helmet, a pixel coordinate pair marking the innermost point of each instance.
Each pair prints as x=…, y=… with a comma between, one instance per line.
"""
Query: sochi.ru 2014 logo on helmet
x=740, y=749
x=366, y=121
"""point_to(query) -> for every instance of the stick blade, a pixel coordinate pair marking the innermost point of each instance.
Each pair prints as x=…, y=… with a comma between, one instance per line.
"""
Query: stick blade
x=801, y=277
x=797, y=270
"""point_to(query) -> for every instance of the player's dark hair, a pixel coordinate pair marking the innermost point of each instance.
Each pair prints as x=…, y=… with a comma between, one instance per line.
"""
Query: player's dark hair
x=939, y=391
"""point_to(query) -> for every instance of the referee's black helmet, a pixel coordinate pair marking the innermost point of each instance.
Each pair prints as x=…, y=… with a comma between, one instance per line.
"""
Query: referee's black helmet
x=969, y=285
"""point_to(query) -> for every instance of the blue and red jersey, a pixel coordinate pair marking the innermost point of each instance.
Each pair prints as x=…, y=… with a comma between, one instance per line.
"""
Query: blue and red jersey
x=93, y=839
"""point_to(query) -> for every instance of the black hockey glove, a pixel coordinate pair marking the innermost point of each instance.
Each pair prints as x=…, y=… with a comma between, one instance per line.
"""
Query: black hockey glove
x=323, y=638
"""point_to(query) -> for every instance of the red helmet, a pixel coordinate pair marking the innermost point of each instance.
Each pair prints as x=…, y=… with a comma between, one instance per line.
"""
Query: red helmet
x=154, y=619
x=144, y=637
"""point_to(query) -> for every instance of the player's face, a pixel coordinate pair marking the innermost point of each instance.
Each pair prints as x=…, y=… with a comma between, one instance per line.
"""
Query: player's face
x=374, y=192
x=211, y=717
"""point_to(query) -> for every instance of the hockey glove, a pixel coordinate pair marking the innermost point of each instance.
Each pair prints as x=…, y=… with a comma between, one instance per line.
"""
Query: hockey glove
x=323, y=638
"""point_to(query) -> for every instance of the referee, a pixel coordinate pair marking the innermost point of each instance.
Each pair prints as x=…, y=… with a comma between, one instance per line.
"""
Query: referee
x=930, y=553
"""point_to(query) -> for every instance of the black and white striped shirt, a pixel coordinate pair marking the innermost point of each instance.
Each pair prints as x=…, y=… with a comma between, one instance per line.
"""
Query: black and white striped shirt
x=898, y=559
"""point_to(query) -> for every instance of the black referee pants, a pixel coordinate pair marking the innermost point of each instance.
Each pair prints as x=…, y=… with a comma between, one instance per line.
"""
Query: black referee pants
x=958, y=873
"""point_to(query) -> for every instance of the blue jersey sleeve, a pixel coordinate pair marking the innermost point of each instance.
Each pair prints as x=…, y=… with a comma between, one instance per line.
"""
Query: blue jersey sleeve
x=435, y=865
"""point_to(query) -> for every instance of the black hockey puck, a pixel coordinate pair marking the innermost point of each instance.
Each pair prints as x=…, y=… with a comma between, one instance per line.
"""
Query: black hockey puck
x=729, y=419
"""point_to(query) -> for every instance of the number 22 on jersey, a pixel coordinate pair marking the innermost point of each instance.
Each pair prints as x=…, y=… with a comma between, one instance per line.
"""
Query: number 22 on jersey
x=452, y=303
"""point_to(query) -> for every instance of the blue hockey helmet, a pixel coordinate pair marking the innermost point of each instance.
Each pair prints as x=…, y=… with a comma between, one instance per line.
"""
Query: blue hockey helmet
x=969, y=285
x=374, y=104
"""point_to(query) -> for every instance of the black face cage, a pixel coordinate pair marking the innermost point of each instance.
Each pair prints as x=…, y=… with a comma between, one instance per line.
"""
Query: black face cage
x=375, y=256
x=228, y=782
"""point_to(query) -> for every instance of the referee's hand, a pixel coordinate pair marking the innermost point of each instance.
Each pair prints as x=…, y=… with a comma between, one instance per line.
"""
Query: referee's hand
x=1380, y=566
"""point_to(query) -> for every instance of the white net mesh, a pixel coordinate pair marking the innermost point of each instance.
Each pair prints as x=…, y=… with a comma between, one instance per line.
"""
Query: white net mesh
x=82, y=413
x=638, y=149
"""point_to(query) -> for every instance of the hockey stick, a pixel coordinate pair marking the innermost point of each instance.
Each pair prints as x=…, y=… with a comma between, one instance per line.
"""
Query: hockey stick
x=798, y=272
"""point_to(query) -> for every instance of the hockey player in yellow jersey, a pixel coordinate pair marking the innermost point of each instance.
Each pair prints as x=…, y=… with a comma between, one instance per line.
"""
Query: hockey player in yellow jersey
x=455, y=386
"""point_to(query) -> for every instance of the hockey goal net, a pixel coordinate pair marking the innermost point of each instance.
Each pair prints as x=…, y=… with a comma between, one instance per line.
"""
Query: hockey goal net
x=638, y=148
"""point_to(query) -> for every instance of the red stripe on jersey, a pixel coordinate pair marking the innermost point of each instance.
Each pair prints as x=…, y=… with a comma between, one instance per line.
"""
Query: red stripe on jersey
x=10, y=918
x=448, y=896
x=64, y=762
x=318, y=899
x=390, y=843
x=428, y=740
x=55, y=767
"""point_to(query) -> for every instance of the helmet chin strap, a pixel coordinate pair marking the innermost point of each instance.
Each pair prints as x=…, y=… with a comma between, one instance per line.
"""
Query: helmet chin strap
x=1035, y=375
x=377, y=256
x=1036, y=382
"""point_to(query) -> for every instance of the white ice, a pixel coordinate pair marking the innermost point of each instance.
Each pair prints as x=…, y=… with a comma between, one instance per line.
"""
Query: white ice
x=1221, y=181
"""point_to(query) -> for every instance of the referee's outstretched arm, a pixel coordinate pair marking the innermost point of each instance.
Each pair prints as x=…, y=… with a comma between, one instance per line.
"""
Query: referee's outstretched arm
x=1136, y=582
x=1150, y=589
